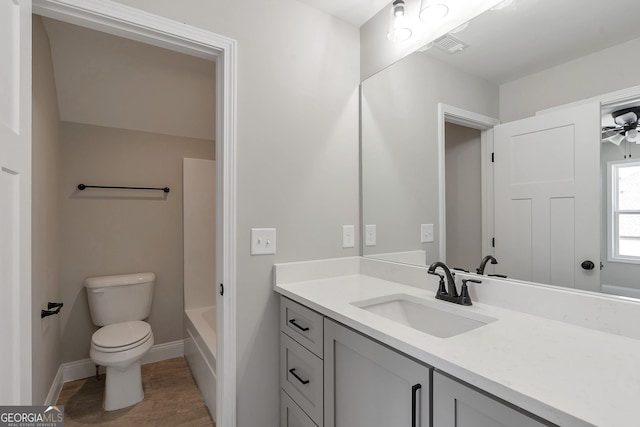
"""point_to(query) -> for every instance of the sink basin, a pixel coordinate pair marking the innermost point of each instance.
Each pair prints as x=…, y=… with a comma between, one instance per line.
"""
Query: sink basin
x=433, y=318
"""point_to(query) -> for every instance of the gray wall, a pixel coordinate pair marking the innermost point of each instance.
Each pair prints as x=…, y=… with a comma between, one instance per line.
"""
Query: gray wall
x=118, y=231
x=45, y=233
x=399, y=146
x=298, y=76
x=602, y=72
x=464, y=196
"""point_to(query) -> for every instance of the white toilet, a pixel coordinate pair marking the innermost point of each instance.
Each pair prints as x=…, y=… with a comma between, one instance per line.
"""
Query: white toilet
x=119, y=304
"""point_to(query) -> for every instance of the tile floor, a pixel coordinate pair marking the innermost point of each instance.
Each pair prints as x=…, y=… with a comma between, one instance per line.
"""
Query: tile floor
x=171, y=398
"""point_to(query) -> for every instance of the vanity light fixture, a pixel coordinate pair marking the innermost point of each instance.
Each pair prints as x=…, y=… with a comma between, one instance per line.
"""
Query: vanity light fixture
x=431, y=10
x=399, y=30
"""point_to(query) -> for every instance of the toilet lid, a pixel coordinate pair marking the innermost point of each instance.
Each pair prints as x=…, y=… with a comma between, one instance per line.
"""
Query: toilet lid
x=123, y=334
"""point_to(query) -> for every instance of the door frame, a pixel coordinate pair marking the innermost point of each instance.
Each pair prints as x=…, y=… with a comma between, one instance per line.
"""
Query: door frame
x=124, y=21
x=485, y=124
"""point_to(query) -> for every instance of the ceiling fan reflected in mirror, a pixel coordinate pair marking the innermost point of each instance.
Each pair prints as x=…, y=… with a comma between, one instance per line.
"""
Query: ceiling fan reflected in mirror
x=626, y=127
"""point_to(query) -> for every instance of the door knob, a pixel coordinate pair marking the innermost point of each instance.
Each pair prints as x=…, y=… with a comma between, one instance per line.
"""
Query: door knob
x=587, y=265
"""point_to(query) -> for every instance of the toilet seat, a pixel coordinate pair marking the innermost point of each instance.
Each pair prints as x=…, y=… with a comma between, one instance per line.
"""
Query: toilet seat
x=121, y=337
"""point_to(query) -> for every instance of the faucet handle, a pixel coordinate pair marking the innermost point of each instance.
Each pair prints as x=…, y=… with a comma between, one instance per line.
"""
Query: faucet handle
x=442, y=290
x=465, y=299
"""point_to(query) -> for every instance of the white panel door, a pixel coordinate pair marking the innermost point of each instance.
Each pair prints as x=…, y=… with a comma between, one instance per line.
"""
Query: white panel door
x=547, y=199
x=15, y=201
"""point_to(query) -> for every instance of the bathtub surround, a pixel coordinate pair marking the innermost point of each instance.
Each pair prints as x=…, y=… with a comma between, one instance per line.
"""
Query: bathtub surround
x=199, y=219
x=46, y=219
x=118, y=231
x=200, y=352
x=199, y=222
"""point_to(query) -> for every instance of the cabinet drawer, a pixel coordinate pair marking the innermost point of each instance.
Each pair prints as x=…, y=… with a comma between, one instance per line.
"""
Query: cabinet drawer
x=291, y=415
x=301, y=375
x=302, y=324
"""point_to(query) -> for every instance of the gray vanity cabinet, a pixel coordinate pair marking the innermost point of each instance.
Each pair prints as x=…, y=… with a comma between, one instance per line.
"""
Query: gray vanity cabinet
x=456, y=405
x=301, y=366
x=367, y=384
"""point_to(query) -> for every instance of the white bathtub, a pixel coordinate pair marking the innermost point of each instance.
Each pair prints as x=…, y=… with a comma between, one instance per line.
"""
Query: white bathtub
x=200, y=351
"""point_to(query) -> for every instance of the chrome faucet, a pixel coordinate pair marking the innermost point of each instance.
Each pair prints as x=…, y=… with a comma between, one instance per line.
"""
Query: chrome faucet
x=449, y=292
x=483, y=263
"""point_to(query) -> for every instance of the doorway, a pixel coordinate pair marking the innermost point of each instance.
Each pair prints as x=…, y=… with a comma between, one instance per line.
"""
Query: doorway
x=137, y=25
x=463, y=177
x=474, y=141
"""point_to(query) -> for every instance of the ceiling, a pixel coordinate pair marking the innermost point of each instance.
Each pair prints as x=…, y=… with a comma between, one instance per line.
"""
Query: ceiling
x=533, y=35
x=356, y=12
x=105, y=80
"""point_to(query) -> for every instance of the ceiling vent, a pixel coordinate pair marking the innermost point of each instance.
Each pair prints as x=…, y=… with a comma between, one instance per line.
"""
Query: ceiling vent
x=450, y=44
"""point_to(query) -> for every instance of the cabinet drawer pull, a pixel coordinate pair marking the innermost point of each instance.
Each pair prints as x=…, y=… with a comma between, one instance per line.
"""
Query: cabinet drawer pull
x=414, y=404
x=292, y=371
x=293, y=322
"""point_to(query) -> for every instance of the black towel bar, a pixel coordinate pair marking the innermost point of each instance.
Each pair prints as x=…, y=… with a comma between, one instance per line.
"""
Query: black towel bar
x=82, y=187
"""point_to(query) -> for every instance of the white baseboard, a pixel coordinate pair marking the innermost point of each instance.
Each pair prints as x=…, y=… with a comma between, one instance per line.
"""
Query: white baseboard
x=56, y=388
x=85, y=368
x=164, y=351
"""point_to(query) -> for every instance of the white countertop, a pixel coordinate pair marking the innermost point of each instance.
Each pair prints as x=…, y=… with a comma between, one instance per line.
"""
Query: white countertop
x=566, y=374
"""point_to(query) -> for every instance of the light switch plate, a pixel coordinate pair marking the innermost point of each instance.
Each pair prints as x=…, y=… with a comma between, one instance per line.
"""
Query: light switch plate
x=426, y=233
x=370, y=235
x=348, y=236
x=263, y=241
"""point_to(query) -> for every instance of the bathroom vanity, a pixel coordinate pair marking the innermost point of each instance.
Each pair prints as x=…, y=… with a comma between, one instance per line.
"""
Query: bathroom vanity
x=364, y=342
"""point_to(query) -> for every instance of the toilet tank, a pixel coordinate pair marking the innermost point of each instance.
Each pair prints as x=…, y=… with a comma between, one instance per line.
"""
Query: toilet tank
x=120, y=298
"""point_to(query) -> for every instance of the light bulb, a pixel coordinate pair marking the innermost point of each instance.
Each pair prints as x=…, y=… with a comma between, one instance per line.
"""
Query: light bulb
x=399, y=34
x=433, y=9
x=632, y=135
x=398, y=8
x=398, y=29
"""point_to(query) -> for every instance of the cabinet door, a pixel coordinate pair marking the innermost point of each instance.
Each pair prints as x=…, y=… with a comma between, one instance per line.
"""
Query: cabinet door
x=455, y=404
x=367, y=384
x=291, y=415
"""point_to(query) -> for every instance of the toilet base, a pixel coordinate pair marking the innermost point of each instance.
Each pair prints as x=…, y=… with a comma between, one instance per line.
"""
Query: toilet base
x=123, y=387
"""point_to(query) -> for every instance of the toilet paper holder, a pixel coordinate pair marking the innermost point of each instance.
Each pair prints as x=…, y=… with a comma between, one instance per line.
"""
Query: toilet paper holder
x=53, y=308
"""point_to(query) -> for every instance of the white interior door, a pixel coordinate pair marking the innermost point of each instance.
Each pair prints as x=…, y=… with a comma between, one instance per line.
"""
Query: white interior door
x=547, y=217
x=15, y=201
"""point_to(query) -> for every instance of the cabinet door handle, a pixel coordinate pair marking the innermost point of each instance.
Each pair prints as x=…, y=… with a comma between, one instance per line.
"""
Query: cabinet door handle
x=414, y=404
x=292, y=371
x=293, y=322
